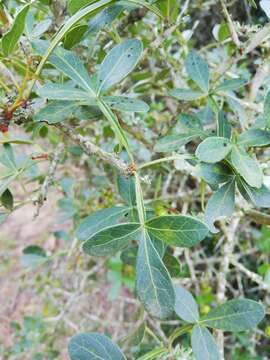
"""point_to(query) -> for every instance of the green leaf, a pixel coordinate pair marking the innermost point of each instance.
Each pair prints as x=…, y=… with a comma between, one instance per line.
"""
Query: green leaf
x=114, y=122
x=76, y=18
x=33, y=256
x=238, y=110
x=172, y=264
x=118, y=63
x=124, y=103
x=147, y=5
x=100, y=220
x=5, y=182
x=93, y=346
x=182, y=231
x=75, y=5
x=65, y=93
x=75, y=35
x=186, y=94
x=111, y=239
x=252, y=3
x=7, y=157
x=91, y=9
x=254, y=137
x=57, y=111
x=214, y=174
x=11, y=38
x=39, y=29
x=128, y=256
x=17, y=141
x=229, y=85
x=185, y=305
x=190, y=122
x=235, y=315
x=6, y=199
x=153, y=282
x=69, y=64
x=136, y=337
x=213, y=149
x=126, y=188
x=203, y=344
x=259, y=197
x=247, y=167
x=220, y=204
x=266, y=109
x=104, y=18
x=198, y=70
x=174, y=142
x=224, y=128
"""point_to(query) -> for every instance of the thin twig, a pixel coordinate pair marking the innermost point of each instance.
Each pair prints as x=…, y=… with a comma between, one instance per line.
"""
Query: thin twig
x=231, y=26
x=250, y=274
x=91, y=149
x=49, y=179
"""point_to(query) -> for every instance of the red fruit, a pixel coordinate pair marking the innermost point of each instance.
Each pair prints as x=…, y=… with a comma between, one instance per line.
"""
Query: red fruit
x=3, y=128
